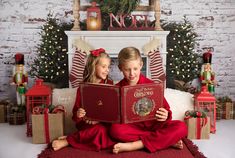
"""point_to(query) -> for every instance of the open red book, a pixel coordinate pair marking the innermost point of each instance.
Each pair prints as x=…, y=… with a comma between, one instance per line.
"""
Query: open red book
x=110, y=103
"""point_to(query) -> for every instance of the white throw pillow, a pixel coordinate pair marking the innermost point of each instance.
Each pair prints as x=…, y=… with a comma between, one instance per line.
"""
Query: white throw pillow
x=66, y=97
x=179, y=102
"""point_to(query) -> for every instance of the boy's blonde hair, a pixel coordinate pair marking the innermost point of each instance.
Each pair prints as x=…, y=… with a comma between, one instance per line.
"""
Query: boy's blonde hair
x=127, y=54
x=89, y=70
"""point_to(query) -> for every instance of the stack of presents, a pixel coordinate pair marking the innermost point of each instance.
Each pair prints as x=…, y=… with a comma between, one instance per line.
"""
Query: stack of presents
x=14, y=115
x=207, y=110
x=45, y=121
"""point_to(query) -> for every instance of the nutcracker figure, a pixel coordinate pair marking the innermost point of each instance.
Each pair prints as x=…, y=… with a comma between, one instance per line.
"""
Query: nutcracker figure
x=20, y=78
x=207, y=76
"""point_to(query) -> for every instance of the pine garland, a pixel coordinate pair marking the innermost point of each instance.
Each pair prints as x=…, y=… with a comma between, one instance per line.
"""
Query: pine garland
x=115, y=7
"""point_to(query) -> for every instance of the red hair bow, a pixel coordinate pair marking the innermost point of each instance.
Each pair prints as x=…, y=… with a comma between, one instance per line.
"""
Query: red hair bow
x=97, y=52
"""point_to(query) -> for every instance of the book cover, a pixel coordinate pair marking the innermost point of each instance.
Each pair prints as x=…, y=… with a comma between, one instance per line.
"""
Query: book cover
x=114, y=104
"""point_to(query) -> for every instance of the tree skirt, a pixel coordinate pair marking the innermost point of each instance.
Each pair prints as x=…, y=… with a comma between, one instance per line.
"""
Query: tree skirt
x=190, y=150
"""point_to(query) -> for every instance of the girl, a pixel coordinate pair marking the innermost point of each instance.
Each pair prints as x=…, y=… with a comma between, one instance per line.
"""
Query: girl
x=91, y=135
x=152, y=135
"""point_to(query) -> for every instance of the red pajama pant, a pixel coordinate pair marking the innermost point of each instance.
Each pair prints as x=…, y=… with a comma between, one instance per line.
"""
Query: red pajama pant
x=154, y=135
x=91, y=137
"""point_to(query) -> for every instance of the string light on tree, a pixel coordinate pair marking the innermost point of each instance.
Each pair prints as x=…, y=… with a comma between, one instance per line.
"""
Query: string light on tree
x=182, y=62
x=52, y=57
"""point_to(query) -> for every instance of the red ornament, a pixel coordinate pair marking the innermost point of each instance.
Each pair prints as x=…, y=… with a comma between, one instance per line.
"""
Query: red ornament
x=38, y=95
x=93, y=17
x=206, y=102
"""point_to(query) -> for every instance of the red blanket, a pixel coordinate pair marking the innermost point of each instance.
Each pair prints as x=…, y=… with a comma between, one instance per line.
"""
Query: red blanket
x=189, y=151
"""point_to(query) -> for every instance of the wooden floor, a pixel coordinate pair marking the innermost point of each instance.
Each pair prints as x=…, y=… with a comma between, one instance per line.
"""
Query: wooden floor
x=15, y=144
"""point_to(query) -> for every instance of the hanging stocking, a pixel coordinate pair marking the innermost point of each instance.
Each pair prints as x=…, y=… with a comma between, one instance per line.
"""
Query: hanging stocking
x=78, y=65
x=156, y=67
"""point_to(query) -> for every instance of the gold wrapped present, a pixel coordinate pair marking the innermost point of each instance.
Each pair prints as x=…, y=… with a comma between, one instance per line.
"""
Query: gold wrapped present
x=47, y=127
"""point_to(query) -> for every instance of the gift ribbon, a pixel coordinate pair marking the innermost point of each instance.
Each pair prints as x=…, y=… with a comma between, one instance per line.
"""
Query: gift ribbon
x=46, y=125
x=201, y=122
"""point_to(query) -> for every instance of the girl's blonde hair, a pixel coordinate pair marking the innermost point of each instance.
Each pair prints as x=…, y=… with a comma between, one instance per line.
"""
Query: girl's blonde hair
x=89, y=70
x=127, y=54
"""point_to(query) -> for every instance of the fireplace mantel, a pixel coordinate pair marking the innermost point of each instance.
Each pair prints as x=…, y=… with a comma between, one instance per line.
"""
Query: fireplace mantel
x=114, y=41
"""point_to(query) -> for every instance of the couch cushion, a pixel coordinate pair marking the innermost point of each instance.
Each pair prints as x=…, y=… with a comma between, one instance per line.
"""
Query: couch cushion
x=179, y=102
x=66, y=97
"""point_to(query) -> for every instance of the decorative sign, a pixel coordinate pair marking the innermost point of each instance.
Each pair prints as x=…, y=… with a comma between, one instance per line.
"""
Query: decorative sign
x=134, y=22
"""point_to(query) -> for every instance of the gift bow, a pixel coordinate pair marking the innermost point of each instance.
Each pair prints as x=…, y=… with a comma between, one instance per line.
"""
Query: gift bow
x=42, y=110
x=196, y=114
x=97, y=52
x=201, y=120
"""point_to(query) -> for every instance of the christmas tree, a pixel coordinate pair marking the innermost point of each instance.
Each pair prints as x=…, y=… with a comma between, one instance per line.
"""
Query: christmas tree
x=183, y=63
x=51, y=63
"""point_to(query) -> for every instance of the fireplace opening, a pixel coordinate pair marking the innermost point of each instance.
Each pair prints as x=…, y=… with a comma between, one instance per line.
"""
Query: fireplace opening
x=116, y=75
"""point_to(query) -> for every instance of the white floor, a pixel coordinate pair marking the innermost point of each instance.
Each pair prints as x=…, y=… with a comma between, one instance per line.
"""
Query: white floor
x=15, y=144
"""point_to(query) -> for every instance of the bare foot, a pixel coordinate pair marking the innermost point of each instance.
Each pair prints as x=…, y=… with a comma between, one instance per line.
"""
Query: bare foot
x=59, y=144
x=129, y=146
x=178, y=145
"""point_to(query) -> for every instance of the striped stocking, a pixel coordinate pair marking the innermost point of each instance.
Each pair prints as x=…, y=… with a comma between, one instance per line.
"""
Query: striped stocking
x=156, y=67
x=78, y=64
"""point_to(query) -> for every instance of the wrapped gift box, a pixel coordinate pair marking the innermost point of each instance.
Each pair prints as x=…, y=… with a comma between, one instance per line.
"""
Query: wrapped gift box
x=2, y=113
x=219, y=111
x=233, y=113
x=228, y=110
x=198, y=128
x=17, y=118
x=47, y=127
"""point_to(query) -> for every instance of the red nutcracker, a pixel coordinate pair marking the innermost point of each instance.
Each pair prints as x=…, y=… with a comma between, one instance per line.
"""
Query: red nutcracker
x=207, y=76
x=20, y=78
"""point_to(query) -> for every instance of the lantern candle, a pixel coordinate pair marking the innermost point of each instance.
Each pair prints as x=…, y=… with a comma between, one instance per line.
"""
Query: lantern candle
x=205, y=101
x=38, y=95
x=93, y=17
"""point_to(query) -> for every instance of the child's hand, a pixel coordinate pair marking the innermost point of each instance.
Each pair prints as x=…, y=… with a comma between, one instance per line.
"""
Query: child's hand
x=81, y=113
x=161, y=114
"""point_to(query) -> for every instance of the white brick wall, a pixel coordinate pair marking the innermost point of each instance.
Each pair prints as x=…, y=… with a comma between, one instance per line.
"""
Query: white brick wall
x=214, y=21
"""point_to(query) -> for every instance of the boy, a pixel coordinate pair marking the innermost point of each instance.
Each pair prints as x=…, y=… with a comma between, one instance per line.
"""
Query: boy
x=152, y=135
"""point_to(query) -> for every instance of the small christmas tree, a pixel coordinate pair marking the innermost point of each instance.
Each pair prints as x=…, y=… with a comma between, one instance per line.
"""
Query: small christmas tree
x=51, y=63
x=183, y=64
